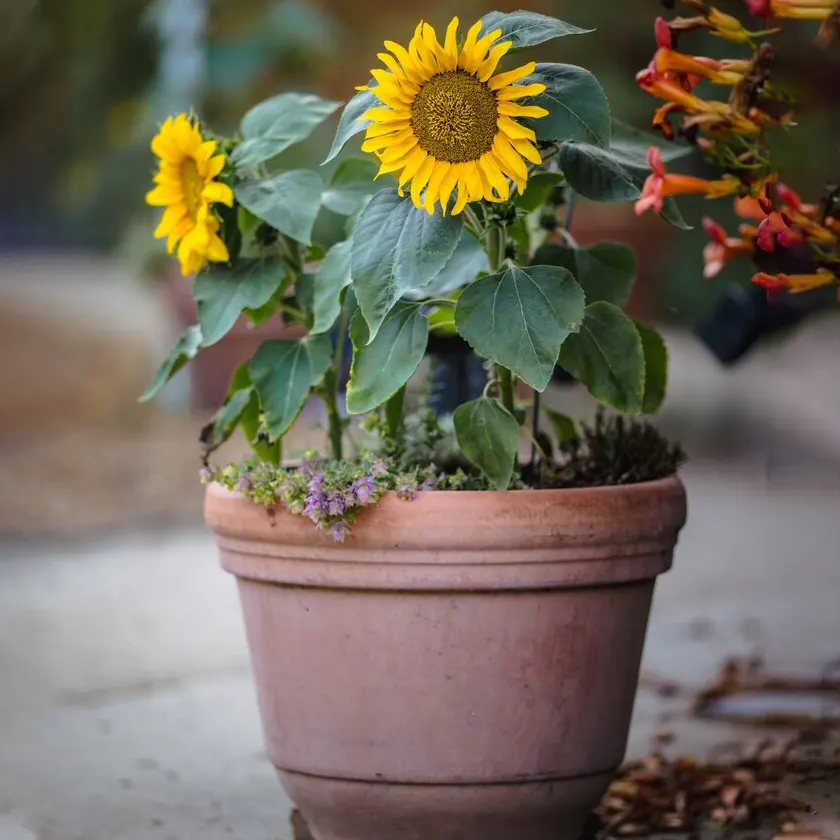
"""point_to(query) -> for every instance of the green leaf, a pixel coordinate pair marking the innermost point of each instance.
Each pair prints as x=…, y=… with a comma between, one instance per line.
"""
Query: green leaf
x=289, y=201
x=618, y=174
x=330, y=280
x=598, y=174
x=526, y=29
x=656, y=368
x=257, y=317
x=606, y=357
x=350, y=124
x=537, y=190
x=520, y=318
x=272, y=126
x=577, y=106
x=606, y=271
x=350, y=184
x=224, y=422
x=397, y=247
x=184, y=351
x=488, y=435
x=283, y=373
x=382, y=366
x=221, y=295
x=565, y=429
x=631, y=145
x=467, y=261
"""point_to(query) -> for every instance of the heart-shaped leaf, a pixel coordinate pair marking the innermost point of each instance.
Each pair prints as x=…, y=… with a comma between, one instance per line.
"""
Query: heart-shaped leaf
x=521, y=317
x=577, y=106
x=289, y=201
x=606, y=356
x=272, y=126
x=222, y=294
x=488, y=436
x=283, y=372
x=396, y=248
x=380, y=368
x=527, y=29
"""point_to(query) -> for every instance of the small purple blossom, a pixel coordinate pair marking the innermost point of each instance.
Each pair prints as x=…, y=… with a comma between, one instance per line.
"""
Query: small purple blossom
x=243, y=485
x=363, y=488
x=205, y=475
x=378, y=467
x=407, y=492
x=429, y=484
x=335, y=503
x=339, y=530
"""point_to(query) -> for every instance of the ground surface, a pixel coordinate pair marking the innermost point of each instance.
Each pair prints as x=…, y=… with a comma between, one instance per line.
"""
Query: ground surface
x=126, y=706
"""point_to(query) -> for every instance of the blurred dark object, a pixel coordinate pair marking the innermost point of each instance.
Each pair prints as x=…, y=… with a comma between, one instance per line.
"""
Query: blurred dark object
x=744, y=316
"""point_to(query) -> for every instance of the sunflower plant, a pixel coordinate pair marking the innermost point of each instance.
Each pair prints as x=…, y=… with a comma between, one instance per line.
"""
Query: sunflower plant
x=455, y=219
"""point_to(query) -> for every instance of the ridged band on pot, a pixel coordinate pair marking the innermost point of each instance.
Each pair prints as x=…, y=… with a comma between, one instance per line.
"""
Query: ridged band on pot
x=526, y=539
x=481, y=646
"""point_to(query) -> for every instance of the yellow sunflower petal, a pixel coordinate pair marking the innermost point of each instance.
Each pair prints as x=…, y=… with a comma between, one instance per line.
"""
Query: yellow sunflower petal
x=393, y=65
x=520, y=91
x=505, y=79
x=421, y=54
x=376, y=130
x=164, y=194
x=206, y=150
x=511, y=109
x=475, y=185
x=414, y=161
x=170, y=218
x=479, y=51
x=433, y=187
x=391, y=96
x=507, y=155
x=494, y=176
x=215, y=165
x=449, y=60
x=178, y=232
x=469, y=43
x=217, y=250
x=382, y=115
x=527, y=149
x=187, y=137
x=450, y=179
x=421, y=179
x=411, y=69
x=217, y=192
x=488, y=67
x=398, y=150
x=514, y=130
x=163, y=145
x=463, y=192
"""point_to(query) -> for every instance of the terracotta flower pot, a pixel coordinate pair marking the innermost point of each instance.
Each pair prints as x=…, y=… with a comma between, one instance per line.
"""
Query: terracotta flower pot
x=463, y=667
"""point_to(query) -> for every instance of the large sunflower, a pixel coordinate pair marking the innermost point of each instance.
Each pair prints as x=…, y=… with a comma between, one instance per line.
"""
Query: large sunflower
x=448, y=122
x=186, y=188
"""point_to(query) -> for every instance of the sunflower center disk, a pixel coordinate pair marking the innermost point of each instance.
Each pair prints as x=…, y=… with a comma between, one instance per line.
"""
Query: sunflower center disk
x=192, y=186
x=454, y=117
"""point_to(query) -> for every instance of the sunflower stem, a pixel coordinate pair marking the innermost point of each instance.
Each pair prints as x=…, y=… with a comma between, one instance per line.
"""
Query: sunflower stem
x=496, y=247
x=505, y=378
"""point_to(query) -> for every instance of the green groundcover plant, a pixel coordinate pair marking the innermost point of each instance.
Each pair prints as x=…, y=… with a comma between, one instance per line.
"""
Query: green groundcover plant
x=454, y=219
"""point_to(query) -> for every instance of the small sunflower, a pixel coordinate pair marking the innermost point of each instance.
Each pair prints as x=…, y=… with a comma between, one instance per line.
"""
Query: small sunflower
x=186, y=188
x=449, y=120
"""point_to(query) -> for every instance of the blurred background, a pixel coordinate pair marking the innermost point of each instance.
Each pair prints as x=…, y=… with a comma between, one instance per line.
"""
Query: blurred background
x=100, y=508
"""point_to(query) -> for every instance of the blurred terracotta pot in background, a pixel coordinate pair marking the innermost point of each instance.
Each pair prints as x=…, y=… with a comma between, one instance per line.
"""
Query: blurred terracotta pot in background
x=463, y=667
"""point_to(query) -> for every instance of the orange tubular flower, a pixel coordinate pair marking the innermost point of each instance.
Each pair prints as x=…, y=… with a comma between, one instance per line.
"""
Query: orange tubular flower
x=660, y=184
x=795, y=283
x=669, y=61
x=802, y=9
x=721, y=248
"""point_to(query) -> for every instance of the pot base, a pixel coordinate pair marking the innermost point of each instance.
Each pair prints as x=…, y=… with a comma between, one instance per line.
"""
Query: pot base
x=336, y=809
